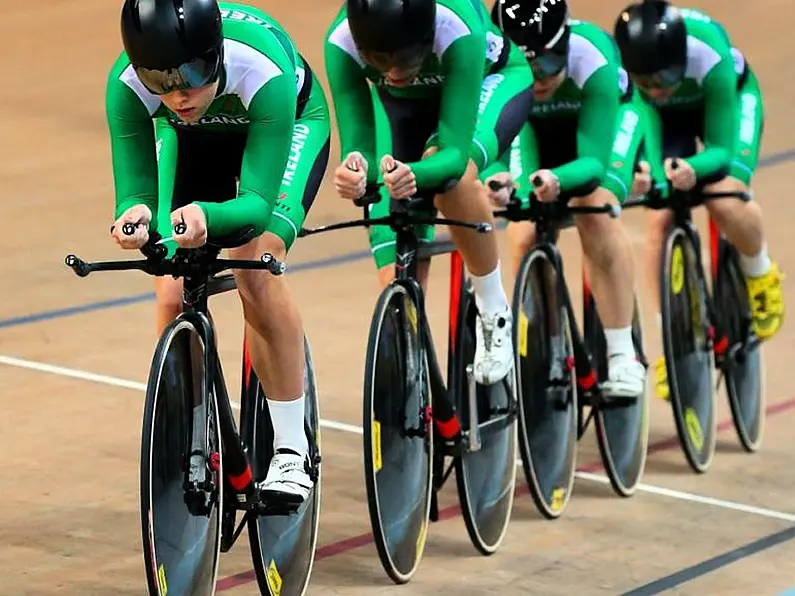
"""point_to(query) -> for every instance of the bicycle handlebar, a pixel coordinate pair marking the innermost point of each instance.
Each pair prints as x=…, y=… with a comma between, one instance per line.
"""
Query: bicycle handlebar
x=538, y=210
x=186, y=262
x=676, y=198
x=400, y=215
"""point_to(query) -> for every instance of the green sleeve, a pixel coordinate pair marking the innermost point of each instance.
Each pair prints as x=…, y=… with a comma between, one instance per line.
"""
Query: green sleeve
x=350, y=93
x=132, y=143
x=720, y=120
x=652, y=150
x=167, y=148
x=524, y=161
x=595, y=131
x=458, y=112
x=270, y=132
x=501, y=164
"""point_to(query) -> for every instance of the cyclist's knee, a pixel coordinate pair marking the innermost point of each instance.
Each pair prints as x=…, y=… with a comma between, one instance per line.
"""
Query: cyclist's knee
x=252, y=284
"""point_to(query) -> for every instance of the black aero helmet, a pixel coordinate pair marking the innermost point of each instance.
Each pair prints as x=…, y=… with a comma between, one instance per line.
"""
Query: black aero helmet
x=173, y=44
x=540, y=28
x=392, y=32
x=652, y=39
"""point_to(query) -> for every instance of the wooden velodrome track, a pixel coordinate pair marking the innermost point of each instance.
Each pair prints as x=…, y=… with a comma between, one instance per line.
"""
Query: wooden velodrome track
x=74, y=354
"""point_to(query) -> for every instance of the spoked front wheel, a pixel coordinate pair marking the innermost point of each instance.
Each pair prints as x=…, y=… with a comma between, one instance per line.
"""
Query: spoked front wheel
x=282, y=546
x=548, y=403
x=739, y=351
x=181, y=468
x=398, y=445
x=689, y=360
x=486, y=470
x=622, y=429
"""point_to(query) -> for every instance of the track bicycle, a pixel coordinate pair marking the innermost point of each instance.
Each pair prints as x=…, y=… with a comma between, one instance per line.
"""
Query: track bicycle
x=561, y=371
x=196, y=471
x=704, y=330
x=406, y=398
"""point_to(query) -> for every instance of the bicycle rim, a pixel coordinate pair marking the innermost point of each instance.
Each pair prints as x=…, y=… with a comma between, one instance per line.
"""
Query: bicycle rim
x=486, y=478
x=181, y=548
x=283, y=546
x=688, y=352
x=548, y=417
x=397, y=441
x=744, y=375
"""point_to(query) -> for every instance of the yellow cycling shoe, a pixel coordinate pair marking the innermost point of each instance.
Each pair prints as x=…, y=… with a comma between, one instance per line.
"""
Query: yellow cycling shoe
x=767, y=302
x=661, y=379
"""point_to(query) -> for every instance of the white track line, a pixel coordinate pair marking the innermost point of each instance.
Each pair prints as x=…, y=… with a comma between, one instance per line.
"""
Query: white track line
x=353, y=429
x=693, y=498
x=126, y=384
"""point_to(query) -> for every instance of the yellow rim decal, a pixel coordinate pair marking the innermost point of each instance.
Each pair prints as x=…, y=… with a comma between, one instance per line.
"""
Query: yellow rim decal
x=161, y=580
x=694, y=429
x=558, y=498
x=274, y=579
x=411, y=313
x=420, y=546
x=376, y=445
x=677, y=270
x=523, y=325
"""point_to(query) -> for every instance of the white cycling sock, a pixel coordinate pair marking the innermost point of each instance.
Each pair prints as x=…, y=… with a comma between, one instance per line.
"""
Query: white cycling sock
x=288, y=425
x=489, y=293
x=757, y=265
x=619, y=342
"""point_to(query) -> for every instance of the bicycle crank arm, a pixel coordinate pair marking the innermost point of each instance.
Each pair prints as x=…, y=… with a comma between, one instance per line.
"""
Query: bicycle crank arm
x=473, y=435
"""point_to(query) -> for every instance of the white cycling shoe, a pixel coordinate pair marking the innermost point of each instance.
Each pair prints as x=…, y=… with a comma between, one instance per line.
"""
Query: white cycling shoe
x=626, y=378
x=287, y=479
x=494, y=348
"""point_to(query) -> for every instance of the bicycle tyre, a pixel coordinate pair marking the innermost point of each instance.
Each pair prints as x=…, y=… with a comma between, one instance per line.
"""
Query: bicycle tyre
x=171, y=533
x=282, y=546
x=548, y=417
x=744, y=373
x=622, y=431
x=485, y=479
x=686, y=325
x=397, y=466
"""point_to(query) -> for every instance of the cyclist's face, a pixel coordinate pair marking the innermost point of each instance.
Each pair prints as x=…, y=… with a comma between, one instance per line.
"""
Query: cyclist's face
x=190, y=104
x=544, y=87
x=654, y=89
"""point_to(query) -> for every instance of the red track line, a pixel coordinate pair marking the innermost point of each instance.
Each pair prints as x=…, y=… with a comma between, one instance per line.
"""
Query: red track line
x=347, y=544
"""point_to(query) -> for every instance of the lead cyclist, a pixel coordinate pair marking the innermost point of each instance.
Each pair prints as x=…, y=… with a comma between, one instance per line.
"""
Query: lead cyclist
x=231, y=97
x=701, y=87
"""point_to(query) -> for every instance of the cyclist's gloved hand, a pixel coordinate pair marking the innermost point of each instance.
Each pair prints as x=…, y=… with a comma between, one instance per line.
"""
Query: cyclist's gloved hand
x=549, y=188
x=641, y=181
x=141, y=216
x=683, y=177
x=350, y=177
x=500, y=198
x=195, y=234
x=398, y=178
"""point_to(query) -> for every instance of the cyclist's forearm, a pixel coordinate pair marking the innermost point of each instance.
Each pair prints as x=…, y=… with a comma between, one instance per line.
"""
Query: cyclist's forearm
x=720, y=124
x=132, y=143
x=581, y=172
x=353, y=107
x=232, y=216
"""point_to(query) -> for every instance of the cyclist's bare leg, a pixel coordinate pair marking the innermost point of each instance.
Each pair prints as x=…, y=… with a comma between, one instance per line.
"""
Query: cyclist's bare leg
x=168, y=301
x=275, y=336
x=521, y=236
x=468, y=202
x=740, y=222
x=657, y=225
x=608, y=251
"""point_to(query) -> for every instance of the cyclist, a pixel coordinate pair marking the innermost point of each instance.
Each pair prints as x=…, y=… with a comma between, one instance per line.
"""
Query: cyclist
x=581, y=94
x=703, y=88
x=454, y=95
x=231, y=98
